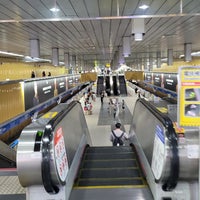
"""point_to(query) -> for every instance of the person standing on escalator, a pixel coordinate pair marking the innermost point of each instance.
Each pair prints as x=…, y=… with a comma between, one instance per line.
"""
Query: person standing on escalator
x=117, y=136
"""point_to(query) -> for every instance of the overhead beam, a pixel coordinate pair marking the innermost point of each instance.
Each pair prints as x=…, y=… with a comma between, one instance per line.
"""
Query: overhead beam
x=99, y=18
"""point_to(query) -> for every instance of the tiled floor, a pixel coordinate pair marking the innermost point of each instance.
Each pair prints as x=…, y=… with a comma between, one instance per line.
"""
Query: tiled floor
x=99, y=132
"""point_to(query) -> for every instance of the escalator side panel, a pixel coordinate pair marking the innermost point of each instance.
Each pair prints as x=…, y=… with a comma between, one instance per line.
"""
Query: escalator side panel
x=7, y=156
x=115, y=87
x=108, y=86
x=100, y=85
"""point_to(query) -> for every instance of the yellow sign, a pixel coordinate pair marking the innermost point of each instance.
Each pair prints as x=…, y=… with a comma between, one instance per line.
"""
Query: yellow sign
x=162, y=109
x=107, y=64
x=50, y=115
x=189, y=96
x=178, y=129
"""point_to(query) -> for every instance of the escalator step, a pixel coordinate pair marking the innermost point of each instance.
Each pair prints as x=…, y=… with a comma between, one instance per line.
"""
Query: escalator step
x=109, y=163
x=116, y=150
x=109, y=182
x=110, y=173
x=109, y=156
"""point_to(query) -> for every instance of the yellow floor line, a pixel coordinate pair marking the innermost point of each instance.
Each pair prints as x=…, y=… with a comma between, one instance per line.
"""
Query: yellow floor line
x=110, y=186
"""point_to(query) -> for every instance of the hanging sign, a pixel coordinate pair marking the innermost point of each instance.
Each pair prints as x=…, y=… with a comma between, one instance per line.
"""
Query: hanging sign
x=189, y=96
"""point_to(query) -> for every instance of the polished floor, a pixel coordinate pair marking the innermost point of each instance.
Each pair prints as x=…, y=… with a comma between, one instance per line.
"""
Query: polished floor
x=99, y=125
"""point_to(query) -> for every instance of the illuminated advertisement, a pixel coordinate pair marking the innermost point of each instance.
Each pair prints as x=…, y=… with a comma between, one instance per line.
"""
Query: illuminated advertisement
x=61, y=84
x=148, y=77
x=70, y=82
x=45, y=90
x=39, y=91
x=30, y=96
x=170, y=81
x=157, y=79
x=36, y=92
x=189, y=96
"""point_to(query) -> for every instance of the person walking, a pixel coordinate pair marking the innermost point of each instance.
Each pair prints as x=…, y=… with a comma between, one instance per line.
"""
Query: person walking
x=117, y=136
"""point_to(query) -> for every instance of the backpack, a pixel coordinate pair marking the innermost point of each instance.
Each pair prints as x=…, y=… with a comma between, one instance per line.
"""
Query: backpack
x=118, y=140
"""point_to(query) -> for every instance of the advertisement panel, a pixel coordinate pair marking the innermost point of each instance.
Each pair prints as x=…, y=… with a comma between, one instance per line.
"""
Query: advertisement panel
x=39, y=91
x=45, y=89
x=30, y=95
x=189, y=96
x=157, y=79
x=61, y=84
x=170, y=81
x=70, y=82
x=36, y=92
x=148, y=78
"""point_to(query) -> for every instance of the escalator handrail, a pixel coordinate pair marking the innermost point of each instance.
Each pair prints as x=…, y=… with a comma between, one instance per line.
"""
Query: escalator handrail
x=47, y=180
x=172, y=179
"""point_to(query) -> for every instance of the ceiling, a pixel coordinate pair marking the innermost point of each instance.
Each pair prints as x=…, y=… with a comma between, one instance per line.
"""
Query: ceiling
x=93, y=30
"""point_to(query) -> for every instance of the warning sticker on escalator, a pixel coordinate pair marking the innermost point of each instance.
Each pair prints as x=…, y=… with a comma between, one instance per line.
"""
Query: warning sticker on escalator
x=157, y=163
x=60, y=154
x=49, y=115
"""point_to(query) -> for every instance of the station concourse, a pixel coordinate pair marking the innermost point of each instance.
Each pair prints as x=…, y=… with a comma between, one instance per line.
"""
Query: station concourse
x=10, y=188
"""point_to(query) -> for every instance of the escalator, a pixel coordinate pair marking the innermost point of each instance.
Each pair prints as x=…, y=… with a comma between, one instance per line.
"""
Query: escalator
x=105, y=168
x=115, y=86
x=108, y=86
x=122, y=86
x=81, y=171
x=100, y=85
x=154, y=156
x=7, y=157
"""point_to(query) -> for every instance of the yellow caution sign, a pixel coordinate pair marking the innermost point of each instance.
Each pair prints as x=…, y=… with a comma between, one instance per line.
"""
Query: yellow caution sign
x=177, y=128
x=162, y=109
x=49, y=115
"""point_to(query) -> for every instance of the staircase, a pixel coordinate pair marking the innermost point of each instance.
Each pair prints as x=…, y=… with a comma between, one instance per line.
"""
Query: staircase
x=109, y=167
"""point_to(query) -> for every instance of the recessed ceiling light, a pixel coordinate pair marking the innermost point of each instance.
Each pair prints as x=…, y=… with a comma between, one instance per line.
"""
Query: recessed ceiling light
x=143, y=7
x=55, y=9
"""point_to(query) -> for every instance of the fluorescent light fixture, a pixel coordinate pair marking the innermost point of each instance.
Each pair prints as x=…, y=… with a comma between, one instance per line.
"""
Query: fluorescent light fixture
x=143, y=7
x=164, y=59
x=30, y=59
x=126, y=55
x=54, y=9
x=138, y=36
x=11, y=54
x=181, y=56
x=197, y=53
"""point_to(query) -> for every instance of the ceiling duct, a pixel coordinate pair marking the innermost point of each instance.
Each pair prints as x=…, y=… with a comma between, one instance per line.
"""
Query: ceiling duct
x=34, y=48
x=55, y=56
x=169, y=57
x=158, y=58
x=120, y=56
x=66, y=59
x=188, y=51
x=138, y=28
x=126, y=46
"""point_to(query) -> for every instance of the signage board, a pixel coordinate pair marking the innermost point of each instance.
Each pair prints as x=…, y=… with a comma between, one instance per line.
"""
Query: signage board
x=189, y=96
